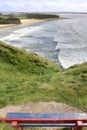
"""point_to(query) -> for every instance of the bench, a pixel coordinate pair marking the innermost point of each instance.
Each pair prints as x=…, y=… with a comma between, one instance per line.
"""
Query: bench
x=20, y=120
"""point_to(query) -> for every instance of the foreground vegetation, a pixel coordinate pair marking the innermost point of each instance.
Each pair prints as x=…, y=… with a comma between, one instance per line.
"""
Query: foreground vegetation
x=4, y=126
x=27, y=77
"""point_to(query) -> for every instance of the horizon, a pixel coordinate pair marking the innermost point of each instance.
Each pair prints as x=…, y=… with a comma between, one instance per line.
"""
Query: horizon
x=42, y=12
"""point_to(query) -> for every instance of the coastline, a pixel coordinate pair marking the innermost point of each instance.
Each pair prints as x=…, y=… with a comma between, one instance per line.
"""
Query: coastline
x=28, y=21
x=23, y=21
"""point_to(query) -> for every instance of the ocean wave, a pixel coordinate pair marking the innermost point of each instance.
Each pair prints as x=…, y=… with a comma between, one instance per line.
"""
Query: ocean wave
x=70, y=57
x=16, y=35
x=63, y=41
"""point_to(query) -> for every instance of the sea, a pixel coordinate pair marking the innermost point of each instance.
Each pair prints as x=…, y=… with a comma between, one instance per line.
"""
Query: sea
x=63, y=41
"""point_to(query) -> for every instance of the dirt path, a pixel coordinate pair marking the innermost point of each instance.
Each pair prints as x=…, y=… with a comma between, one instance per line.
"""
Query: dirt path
x=39, y=107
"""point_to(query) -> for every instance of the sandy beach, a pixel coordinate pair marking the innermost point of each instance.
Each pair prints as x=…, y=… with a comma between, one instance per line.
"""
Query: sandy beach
x=28, y=21
x=23, y=21
x=6, y=25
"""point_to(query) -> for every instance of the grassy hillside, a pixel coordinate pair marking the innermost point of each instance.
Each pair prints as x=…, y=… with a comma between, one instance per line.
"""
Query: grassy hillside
x=27, y=77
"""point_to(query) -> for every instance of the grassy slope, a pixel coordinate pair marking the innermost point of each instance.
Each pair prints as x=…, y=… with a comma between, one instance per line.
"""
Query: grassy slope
x=27, y=77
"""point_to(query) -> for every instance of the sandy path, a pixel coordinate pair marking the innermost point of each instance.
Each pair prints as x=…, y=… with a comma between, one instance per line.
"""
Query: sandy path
x=39, y=107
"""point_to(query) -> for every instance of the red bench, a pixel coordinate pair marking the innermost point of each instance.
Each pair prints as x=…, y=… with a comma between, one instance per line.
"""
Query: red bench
x=20, y=120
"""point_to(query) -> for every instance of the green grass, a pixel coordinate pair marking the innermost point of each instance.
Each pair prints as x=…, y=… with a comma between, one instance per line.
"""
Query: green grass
x=4, y=126
x=28, y=77
x=4, y=16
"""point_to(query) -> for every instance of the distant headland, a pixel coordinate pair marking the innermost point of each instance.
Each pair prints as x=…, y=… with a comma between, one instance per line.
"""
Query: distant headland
x=16, y=18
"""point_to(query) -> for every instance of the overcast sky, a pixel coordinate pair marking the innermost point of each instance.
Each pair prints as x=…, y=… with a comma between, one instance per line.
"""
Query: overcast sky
x=43, y=5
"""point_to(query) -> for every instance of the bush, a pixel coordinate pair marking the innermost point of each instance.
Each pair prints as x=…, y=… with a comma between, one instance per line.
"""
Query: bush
x=10, y=21
x=40, y=16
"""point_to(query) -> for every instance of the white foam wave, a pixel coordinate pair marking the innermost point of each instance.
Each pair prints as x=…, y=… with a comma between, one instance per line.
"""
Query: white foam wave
x=16, y=35
x=67, y=45
x=72, y=42
x=69, y=58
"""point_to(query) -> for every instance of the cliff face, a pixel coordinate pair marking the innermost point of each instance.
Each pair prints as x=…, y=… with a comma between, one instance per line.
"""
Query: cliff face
x=13, y=21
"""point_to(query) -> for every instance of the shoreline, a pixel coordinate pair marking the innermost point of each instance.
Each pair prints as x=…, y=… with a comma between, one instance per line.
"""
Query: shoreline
x=7, y=25
x=29, y=21
x=25, y=21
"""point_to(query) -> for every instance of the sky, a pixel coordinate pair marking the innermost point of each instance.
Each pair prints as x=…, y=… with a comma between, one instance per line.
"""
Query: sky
x=43, y=5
